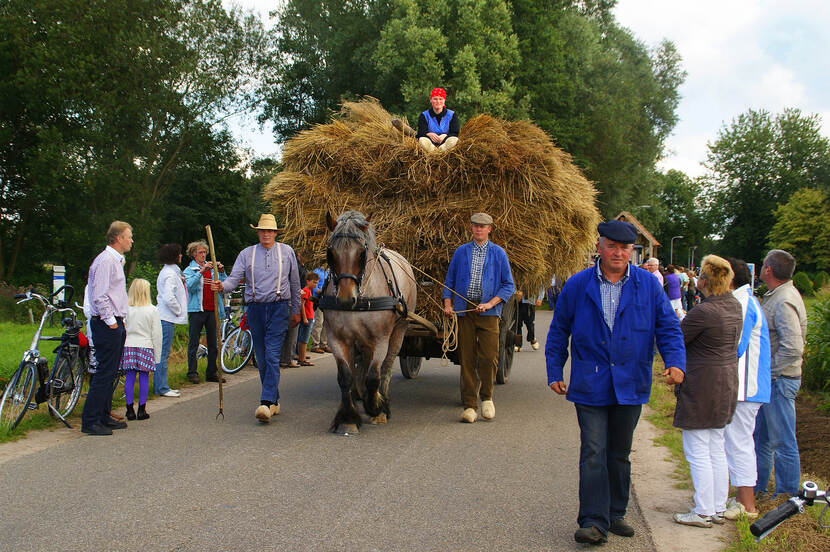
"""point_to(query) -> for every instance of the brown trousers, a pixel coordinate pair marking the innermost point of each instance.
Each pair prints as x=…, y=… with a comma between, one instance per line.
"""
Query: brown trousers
x=478, y=342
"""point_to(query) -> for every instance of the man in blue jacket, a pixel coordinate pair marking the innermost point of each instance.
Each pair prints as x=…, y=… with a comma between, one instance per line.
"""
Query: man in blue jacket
x=480, y=276
x=610, y=314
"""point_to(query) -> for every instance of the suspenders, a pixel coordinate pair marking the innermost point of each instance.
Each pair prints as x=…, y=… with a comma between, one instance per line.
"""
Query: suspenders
x=279, y=273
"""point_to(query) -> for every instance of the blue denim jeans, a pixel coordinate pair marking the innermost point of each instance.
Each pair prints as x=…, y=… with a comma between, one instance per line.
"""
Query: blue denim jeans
x=268, y=323
x=606, y=433
x=160, y=385
x=775, y=440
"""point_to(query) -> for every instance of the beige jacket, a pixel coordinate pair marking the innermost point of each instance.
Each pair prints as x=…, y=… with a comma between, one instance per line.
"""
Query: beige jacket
x=787, y=321
x=143, y=326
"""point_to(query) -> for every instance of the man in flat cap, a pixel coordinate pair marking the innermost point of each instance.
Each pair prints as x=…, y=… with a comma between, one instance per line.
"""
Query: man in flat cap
x=437, y=126
x=272, y=292
x=610, y=314
x=480, y=274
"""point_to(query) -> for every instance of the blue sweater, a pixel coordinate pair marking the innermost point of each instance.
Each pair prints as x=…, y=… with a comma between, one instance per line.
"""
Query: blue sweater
x=612, y=368
x=496, y=278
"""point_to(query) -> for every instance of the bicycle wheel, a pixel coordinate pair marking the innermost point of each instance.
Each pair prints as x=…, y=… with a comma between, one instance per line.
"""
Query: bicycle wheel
x=18, y=393
x=236, y=351
x=66, y=383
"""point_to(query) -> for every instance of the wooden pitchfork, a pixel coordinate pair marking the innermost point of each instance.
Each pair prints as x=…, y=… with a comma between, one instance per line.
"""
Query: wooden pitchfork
x=216, y=315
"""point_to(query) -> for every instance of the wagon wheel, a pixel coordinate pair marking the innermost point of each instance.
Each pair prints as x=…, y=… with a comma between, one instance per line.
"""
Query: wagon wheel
x=507, y=339
x=410, y=366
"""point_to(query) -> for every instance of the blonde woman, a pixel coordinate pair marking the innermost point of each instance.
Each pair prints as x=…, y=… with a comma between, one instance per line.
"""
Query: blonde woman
x=142, y=349
x=707, y=397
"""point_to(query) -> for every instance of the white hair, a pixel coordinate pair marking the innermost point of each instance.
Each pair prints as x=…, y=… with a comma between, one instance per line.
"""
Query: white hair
x=653, y=261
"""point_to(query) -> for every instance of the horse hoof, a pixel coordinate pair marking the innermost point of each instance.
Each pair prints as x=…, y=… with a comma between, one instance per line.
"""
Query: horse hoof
x=346, y=430
x=379, y=419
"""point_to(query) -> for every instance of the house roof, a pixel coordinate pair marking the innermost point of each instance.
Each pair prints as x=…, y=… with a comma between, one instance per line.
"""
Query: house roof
x=628, y=217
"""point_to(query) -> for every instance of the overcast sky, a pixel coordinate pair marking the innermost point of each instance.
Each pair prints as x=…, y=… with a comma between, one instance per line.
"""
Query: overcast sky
x=739, y=55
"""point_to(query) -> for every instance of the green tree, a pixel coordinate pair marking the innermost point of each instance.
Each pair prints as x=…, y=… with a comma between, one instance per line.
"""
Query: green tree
x=802, y=227
x=101, y=100
x=604, y=97
x=678, y=212
x=757, y=163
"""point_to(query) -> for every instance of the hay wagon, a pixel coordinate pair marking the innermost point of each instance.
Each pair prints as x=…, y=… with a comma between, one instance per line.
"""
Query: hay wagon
x=420, y=205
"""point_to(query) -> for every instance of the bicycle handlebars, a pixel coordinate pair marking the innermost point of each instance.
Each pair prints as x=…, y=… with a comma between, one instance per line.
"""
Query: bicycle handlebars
x=809, y=494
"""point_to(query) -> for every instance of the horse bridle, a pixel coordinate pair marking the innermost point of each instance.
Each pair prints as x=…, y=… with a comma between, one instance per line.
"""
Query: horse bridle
x=336, y=276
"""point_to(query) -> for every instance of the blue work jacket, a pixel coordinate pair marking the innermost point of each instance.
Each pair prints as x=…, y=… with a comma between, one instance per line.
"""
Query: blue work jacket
x=496, y=278
x=612, y=368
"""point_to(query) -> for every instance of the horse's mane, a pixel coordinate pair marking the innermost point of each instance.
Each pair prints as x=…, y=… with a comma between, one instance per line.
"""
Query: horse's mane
x=349, y=225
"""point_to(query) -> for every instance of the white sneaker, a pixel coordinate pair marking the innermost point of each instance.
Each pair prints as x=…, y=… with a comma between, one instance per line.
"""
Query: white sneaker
x=171, y=393
x=693, y=519
x=516, y=348
x=535, y=345
x=735, y=509
x=469, y=415
x=488, y=410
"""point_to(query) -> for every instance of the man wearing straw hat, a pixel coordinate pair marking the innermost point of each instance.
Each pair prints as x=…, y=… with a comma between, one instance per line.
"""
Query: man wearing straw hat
x=437, y=126
x=272, y=291
x=609, y=315
x=480, y=279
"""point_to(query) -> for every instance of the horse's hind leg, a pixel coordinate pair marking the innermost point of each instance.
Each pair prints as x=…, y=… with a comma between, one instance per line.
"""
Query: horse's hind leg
x=347, y=420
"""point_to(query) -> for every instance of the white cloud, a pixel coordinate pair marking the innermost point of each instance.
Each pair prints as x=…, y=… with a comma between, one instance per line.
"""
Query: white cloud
x=739, y=55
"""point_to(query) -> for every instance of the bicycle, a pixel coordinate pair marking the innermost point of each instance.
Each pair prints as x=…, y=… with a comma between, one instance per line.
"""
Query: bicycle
x=60, y=387
x=808, y=495
x=237, y=343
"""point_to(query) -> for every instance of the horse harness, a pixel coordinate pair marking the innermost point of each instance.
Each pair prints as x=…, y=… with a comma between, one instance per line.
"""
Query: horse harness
x=394, y=301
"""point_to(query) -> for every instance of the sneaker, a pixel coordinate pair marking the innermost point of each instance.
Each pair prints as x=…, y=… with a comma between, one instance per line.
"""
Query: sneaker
x=693, y=519
x=171, y=393
x=488, y=410
x=735, y=509
x=590, y=535
x=535, y=345
x=469, y=415
x=263, y=413
x=718, y=518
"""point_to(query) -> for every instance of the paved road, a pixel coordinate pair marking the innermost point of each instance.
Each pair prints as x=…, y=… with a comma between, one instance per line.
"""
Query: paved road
x=182, y=481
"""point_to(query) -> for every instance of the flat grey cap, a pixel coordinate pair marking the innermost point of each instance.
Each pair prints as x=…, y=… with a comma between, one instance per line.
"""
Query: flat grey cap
x=481, y=218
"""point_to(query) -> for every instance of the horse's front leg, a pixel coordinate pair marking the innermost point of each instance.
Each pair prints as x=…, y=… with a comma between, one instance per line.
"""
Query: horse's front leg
x=395, y=342
x=347, y=420
x=375, y=402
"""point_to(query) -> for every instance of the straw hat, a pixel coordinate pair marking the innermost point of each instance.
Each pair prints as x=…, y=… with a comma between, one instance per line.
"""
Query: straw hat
x=267, y=221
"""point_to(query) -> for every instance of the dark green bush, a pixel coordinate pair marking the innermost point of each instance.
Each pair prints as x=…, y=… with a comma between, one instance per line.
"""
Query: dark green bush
x=820, y=280
x=802, y=283
x=816, y=373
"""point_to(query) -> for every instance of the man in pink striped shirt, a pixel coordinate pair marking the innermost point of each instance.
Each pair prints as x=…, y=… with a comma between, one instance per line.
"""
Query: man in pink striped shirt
x=107, y=288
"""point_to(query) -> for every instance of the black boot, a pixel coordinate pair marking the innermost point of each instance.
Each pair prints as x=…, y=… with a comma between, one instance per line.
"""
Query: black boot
x=130, y=412
x=142, y=414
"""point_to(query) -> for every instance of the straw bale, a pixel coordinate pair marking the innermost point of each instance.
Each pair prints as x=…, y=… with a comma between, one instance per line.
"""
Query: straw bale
x=420, y=203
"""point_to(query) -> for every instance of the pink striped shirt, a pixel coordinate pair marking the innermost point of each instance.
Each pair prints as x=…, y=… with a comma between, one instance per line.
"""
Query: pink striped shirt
x=108, y=286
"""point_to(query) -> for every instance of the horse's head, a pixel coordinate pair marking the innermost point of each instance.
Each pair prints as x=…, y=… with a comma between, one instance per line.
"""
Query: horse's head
x=352, y=240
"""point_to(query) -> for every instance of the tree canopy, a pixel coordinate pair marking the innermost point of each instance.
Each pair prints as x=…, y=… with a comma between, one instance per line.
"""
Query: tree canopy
x=802, y=227
x=756, y=163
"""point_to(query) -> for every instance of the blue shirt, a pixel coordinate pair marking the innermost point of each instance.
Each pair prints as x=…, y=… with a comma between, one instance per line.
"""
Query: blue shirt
x=610, y=294
x=476, y=270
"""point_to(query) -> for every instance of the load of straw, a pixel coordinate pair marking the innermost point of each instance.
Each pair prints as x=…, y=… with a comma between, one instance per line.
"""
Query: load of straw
x=420, y=203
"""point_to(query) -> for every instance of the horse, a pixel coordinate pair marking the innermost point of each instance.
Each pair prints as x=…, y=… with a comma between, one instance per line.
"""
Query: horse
x=366, y=299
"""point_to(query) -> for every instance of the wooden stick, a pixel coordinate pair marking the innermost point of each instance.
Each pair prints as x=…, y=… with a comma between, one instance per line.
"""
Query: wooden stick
x=216, y=316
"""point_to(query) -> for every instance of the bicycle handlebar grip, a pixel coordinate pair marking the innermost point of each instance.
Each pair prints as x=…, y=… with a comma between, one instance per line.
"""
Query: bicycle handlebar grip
x=773, y=518
x=19, y=295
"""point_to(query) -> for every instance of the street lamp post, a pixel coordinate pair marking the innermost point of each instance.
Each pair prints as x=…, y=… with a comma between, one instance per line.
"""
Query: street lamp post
x=671, y=250
x=692, y=264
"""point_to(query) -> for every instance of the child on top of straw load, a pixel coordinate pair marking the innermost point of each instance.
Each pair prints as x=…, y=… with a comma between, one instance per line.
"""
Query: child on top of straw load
x=142, y=349
x=437, y=126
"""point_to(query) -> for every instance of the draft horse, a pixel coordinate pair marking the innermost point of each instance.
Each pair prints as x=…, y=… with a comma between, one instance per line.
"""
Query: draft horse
x=366, y=298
